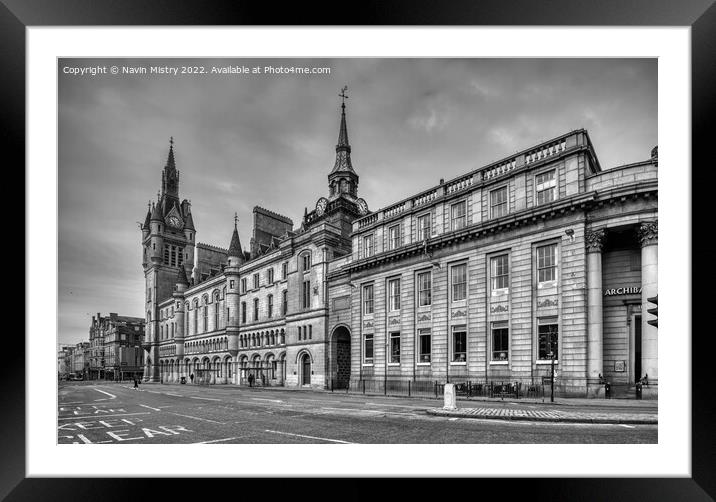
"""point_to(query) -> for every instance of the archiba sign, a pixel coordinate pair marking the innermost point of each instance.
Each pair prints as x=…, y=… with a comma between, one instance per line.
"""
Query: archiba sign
x=623, y=291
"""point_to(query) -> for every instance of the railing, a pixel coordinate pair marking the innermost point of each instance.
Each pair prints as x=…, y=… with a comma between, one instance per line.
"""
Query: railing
x=501, y=389
x=394, y=210
x=458, y=185
x=425, y=198
x=499, y=170
x=546, y=151
x=392, y=387
x=368, y=220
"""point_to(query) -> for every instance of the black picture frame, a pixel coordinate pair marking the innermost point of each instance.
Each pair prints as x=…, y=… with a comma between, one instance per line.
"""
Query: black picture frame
x=700, y=15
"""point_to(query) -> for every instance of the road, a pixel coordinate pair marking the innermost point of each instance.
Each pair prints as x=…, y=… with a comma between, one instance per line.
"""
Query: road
x=117, y=413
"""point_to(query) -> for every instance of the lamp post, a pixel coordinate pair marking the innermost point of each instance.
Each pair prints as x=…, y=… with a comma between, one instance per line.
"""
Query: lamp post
x=551, y=376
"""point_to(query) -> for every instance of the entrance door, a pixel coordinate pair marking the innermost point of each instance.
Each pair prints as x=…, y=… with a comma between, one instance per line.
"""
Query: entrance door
x=306, y=370
x=637, y=348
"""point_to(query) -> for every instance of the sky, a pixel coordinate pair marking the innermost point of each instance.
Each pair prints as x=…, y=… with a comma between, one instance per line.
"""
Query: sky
x=268, y=139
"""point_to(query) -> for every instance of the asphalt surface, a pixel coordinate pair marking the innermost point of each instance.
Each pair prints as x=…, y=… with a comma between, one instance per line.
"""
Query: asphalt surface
x=117, y=413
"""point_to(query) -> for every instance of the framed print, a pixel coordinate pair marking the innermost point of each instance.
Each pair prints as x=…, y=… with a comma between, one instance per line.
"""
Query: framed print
x=406, y=242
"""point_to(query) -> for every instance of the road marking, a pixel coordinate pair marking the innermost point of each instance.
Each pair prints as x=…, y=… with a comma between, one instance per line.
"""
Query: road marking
x=265, y=399
x=392, y=405
x=217, y=440
x=205, y=398
x=154, y=392
x=103, y=416
x=627, y=426
x=197, y=418
x=309, y=437
x=111, y=396
x=145, y=406
x=175, y=395
x=354, y=409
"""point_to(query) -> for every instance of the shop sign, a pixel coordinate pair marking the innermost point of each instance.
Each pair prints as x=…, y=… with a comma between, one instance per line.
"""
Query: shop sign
x=623, y=291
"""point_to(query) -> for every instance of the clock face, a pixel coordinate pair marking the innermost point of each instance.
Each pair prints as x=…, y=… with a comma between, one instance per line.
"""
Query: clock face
x=362, y=206
x=321, y=205
x=174, y=221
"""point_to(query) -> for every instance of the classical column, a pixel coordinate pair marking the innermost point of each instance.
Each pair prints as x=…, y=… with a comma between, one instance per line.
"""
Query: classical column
x=648, y=236
x=594, y=243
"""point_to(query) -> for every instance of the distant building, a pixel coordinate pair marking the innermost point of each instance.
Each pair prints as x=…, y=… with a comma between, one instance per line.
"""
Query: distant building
x=115, y=347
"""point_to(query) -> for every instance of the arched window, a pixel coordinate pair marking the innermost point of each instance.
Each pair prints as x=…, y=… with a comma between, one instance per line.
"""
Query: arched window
x=206, y=315
x=196, y=317
x=161, y=332
x=172, y=330
x=304, y=261
x=216, y=312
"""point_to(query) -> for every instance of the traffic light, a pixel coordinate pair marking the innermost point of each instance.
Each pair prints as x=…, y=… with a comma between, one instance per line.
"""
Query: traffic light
x=654, y=310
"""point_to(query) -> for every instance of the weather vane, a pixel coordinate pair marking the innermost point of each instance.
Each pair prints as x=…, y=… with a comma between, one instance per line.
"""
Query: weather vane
x=343, y=94
x=171, y=140
x=236, y=219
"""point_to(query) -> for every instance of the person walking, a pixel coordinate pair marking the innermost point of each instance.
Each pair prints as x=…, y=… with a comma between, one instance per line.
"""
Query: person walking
x=135, y=383
x=251, y=380
x=191, y=377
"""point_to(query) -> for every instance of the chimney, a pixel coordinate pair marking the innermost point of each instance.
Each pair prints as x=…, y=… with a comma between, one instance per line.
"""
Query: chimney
x=655, y=155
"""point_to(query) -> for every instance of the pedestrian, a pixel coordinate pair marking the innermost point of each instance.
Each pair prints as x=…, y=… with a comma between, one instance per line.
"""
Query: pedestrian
x=192, y=377
x=135, y=383
x=251, y=380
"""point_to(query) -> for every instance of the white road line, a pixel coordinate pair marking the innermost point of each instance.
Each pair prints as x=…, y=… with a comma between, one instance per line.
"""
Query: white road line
x=197, y=418
x=392, y=405
x=111, y=396
x=354, y=409
x=217, y=440
x=627, y=426
x=175, y=395
x=99, y=417
x=265, y=399
x=205, y=398
x=309, y=437
x=145, y=406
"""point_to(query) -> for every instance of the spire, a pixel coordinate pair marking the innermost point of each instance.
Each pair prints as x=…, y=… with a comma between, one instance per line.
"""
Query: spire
x=181, y=277
x=343, y=148
x=235, y=246
x=170, y=158
x=149, y=216
x=156, y=213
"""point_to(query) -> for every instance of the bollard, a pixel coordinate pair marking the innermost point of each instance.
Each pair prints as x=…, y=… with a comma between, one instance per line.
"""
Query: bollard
x=450, y=401
x=607, y=391
x=638, y=390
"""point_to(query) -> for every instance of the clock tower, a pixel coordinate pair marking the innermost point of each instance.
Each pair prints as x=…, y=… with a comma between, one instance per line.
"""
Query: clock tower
x=343, y=204
x=168, y=238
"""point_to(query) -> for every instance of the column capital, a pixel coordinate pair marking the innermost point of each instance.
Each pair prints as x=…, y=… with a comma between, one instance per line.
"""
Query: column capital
x=594, y=240
x=648, y=233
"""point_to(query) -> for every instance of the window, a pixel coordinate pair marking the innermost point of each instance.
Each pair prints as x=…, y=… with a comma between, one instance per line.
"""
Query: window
x=547, y=263
x=548, y=338
x=394, y=237
x=498, y=202
x=545, y=185
x=299, y=333
x=256, y=281
x=243, y=312
x=243, y=285
x=166, y=254
x=310, y=332
x=173, y=255
x=424, y=289
x=394, y=294
x=459, y=344
x=306, y=262
x=395, y=347
x=424, y=345
x=423, y=227
x=196, y=317
x=368, y=299
x=306, y=295
x=284, y=270
x=500, y=341
x=458, y=215
x=269, y=275
x=149, y=294
x=270, y=305
x=368, y=246
x=256, y=309
x=368, y=349
x=459, y=282
x=499, y=272
x=284, y=307
x=206, y=316
x=216, y=312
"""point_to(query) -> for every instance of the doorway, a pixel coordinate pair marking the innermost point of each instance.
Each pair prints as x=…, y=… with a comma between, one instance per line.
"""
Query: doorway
x=306, y=369
x=341, y=358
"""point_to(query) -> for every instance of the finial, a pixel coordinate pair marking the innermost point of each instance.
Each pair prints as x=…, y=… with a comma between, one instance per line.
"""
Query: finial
x=343, y=95
x=236, y=219
x=149, y=205
x=171, y=141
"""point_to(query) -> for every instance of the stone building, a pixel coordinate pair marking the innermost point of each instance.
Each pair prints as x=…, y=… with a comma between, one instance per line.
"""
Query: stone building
x=245, y=317
x=486, y=276
x=540, y=256
x=115, y=347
